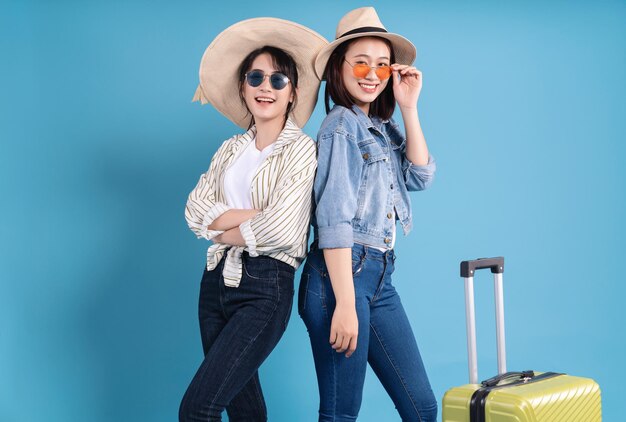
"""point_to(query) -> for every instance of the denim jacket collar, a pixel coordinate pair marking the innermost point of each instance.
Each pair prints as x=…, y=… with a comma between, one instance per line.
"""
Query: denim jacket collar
x=373, y=122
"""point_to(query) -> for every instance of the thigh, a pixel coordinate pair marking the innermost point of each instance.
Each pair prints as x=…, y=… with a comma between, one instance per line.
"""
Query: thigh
x=395, y=358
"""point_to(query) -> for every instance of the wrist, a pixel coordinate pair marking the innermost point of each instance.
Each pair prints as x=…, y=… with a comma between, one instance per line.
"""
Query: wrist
x=346, y=303
x=409, y=109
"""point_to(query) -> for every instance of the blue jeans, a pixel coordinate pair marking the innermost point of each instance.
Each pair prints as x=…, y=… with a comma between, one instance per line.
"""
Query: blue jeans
x=239, y=329
x=385, y=340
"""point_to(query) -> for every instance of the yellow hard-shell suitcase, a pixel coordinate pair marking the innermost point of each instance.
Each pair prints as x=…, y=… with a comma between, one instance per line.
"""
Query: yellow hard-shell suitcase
x=514, y=396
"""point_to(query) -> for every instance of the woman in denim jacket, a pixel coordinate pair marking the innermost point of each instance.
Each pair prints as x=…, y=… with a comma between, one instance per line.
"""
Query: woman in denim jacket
x=365, y=169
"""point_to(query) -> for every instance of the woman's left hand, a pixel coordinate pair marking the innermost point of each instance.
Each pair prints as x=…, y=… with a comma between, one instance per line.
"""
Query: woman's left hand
x=406, y=90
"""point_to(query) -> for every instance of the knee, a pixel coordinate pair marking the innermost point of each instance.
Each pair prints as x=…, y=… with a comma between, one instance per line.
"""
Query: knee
x=336, y=417
x=428, y=410
x=192, y=411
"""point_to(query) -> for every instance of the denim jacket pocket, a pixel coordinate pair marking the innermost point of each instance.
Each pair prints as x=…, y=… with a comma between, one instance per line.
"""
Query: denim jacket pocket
x=372, y=151
x=373, y=175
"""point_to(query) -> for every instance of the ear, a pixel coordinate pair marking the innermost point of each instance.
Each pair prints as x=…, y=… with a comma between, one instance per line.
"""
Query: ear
x=292, y=97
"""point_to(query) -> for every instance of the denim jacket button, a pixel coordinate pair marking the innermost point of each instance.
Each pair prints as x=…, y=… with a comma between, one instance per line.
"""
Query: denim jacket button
x=387, y=240
x=389, y=215
x=391, y=187
x=366, y=156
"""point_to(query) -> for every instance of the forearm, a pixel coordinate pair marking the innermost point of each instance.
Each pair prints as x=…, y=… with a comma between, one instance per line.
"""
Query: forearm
x=339, y=264
x=232, y=219
x=416, y=148
x=231, y=237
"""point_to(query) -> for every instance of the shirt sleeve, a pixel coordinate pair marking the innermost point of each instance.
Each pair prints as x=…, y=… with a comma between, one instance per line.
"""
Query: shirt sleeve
x=418, y=177
x=202, y=207
x=285, y=221
x=336, y=188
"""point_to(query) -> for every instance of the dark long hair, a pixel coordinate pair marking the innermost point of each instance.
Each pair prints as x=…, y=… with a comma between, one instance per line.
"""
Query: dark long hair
x=383, y=106
x=282, y=61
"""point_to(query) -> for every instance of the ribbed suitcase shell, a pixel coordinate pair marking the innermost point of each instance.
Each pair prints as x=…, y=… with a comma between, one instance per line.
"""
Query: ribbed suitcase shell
x=563, y=398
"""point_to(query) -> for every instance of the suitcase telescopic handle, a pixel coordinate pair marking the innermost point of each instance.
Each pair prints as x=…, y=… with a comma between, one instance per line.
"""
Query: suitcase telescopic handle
x=496, y=265
x=468, y=269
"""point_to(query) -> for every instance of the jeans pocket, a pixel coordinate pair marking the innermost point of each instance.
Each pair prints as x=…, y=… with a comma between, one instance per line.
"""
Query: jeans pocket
x=303, y=292
x=358, y=260
x=260, y=268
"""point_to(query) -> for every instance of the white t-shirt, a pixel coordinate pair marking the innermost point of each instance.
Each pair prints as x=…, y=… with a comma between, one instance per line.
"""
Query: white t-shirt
x=238, y=177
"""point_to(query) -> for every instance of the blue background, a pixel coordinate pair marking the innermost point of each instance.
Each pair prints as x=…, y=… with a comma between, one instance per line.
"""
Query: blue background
x=523, y=107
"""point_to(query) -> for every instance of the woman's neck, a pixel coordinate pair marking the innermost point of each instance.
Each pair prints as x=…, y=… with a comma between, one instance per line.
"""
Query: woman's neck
x=267, y=132
x=365, y=107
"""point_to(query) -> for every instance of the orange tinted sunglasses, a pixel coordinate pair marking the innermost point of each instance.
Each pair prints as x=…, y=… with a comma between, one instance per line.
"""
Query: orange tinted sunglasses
x=361, y=70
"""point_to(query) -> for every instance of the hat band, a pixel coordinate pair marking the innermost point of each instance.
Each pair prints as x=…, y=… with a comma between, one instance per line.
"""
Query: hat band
x=361, y=30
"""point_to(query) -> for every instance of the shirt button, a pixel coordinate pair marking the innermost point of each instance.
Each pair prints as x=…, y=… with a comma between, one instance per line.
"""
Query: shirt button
x=366, y=156
x=387, y=240
x=391, y=187
x=389, y=215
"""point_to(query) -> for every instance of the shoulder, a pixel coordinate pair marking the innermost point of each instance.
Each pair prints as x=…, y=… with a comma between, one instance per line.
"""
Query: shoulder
x=225, y=147
x=340, y=120
x=231, y=142
x=228, y=148
x=296, y=145
x=296, y=138
x=303, y=149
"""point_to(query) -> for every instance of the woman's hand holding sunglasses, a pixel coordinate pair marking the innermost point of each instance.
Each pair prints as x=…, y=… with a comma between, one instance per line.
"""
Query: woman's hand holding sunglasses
x=407, y=85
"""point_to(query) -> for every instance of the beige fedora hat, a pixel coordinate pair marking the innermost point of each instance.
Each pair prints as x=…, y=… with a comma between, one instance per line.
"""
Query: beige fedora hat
x=364, y=22
x=219, y=84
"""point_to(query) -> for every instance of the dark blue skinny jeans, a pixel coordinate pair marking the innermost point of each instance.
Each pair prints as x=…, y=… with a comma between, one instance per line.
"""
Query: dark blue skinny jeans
x=385, y=340
x=239, y=329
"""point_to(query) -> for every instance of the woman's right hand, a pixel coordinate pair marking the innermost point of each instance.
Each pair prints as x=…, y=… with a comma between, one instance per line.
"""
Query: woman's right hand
x=344, y=329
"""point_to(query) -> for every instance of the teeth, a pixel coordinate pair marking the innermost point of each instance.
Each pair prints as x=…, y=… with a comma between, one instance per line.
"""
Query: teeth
x=265, y=100
x=368, y=86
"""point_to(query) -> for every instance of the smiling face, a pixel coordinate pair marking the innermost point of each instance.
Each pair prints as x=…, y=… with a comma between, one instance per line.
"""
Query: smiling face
x=264, y=102
x=370, y=51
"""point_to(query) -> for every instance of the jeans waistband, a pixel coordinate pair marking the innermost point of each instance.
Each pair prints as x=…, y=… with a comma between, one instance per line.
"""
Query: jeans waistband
x=368, y=251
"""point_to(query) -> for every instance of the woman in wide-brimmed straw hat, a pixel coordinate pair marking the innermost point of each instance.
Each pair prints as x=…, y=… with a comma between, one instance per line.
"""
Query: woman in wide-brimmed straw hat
x=366, y=166
x=254, y=204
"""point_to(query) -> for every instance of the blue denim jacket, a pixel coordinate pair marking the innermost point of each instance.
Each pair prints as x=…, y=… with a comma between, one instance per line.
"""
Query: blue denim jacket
x=362, y=182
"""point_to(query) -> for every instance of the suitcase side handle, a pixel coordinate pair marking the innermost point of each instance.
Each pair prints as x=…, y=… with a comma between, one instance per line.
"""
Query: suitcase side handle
x=524, y=375
x=468, y=268
x=496, y=265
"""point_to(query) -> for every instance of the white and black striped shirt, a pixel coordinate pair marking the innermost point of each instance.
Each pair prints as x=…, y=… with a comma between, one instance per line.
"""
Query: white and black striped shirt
x=281, y=188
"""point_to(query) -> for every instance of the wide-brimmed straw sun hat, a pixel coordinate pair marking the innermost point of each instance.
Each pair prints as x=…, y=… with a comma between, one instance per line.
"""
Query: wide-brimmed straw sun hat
x=364, y=22
x=219, y=83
